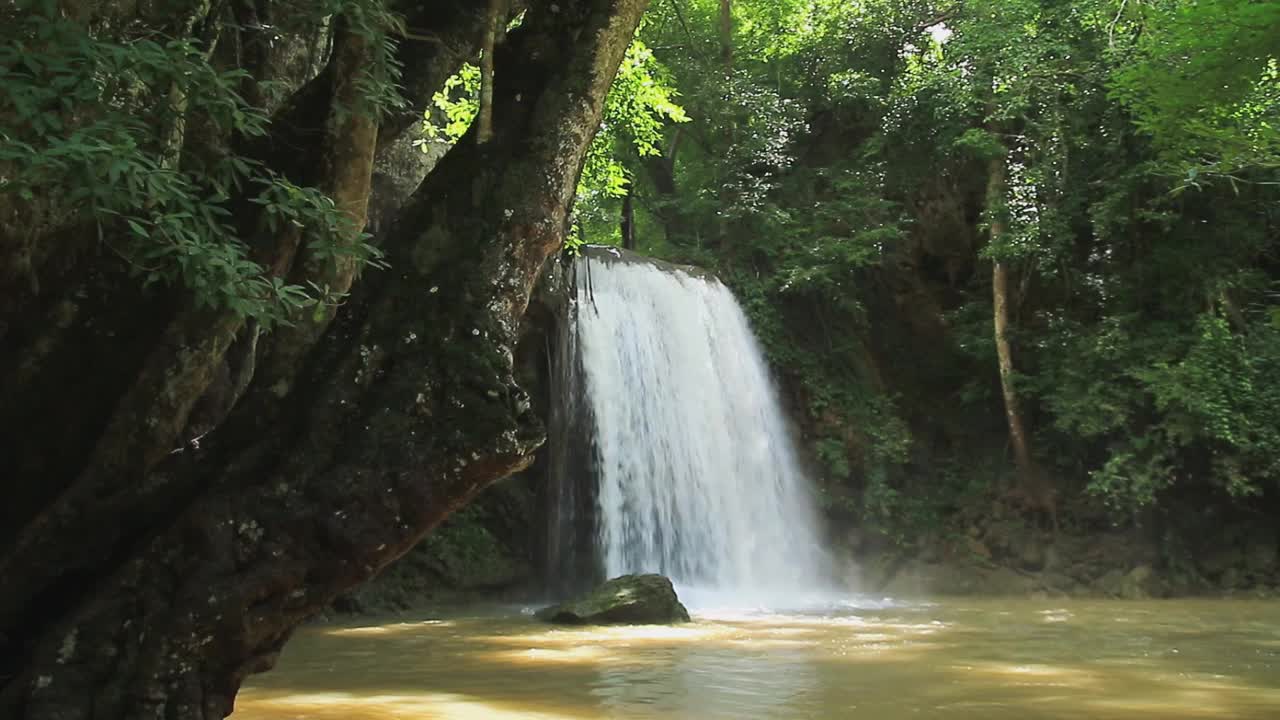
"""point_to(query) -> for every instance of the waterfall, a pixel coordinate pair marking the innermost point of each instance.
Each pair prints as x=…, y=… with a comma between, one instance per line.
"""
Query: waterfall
x=696, y=475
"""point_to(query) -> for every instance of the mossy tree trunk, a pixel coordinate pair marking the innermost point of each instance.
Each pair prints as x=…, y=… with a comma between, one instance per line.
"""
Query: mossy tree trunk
x=149, y=584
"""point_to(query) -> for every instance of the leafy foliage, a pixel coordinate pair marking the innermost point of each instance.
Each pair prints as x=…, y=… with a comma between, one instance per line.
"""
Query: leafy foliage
x=458, y=102
x=834, y=174
x=1205, y=85
x=641, y=103
x=830, y=164
x=77, y=152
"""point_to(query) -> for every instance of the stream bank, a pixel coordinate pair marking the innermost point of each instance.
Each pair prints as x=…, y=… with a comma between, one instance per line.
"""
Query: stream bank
x=993, y=548
x=488, y=553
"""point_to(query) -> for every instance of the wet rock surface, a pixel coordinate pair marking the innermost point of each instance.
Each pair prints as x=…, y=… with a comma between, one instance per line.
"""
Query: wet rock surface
x=628, y=599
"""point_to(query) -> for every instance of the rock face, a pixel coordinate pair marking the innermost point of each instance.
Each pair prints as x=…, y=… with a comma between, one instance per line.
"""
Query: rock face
x=628, y=599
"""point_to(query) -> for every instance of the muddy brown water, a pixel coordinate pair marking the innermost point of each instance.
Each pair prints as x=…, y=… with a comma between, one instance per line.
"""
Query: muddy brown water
x=996, y=659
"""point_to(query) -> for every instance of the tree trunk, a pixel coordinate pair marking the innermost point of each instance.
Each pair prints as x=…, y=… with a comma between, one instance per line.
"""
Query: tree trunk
x=996, y=188
x=661, y=170
x=349, y=142
x=1004, y=354
x=405, y=409
x=484, y=117
x=727, y=194
x=1033, y=486
x=726, y=35
x=149, y=419
x=627, y=223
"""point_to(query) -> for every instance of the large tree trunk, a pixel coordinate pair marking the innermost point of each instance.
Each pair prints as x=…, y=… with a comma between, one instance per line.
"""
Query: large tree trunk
x=403, y=411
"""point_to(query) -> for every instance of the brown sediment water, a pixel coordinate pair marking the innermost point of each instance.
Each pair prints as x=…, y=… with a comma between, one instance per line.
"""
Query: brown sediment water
x=994, y=659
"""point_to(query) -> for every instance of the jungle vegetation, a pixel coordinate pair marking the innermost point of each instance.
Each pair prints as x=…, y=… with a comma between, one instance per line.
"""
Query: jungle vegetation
x=1026, y=247
x=263, y=266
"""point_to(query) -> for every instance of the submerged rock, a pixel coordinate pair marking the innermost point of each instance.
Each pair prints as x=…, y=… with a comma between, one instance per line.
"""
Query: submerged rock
x=629, y=599
x=1140, y=583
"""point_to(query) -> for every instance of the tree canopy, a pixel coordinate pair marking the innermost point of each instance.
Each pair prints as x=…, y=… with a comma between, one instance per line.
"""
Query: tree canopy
x=836, y=174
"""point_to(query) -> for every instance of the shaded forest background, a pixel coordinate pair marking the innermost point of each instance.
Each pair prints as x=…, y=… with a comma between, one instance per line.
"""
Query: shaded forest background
x=875, y=179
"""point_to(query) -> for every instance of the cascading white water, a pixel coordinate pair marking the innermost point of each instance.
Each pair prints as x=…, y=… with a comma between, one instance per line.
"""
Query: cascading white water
x=698, y=477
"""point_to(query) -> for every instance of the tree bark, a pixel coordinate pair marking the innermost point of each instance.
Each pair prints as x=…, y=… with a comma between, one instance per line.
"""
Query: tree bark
x=1004, y=354
x=445, y=35
x=149, y=420
x=731, y=128
x=997, y=186
x=405, y=409
x=1033, y=486
x=627, y=223
x=726, y=35
x=484, y=117
x=661, y=170
x=349, y=142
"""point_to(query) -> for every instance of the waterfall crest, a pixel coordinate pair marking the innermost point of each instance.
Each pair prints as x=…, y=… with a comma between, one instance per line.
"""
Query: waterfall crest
x=696, y=473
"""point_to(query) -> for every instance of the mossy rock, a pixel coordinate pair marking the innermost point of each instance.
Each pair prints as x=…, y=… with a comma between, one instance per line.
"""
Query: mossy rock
x=626, y=600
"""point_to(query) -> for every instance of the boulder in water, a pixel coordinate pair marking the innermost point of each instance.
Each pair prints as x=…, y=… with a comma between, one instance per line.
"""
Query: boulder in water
x=628, y=599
